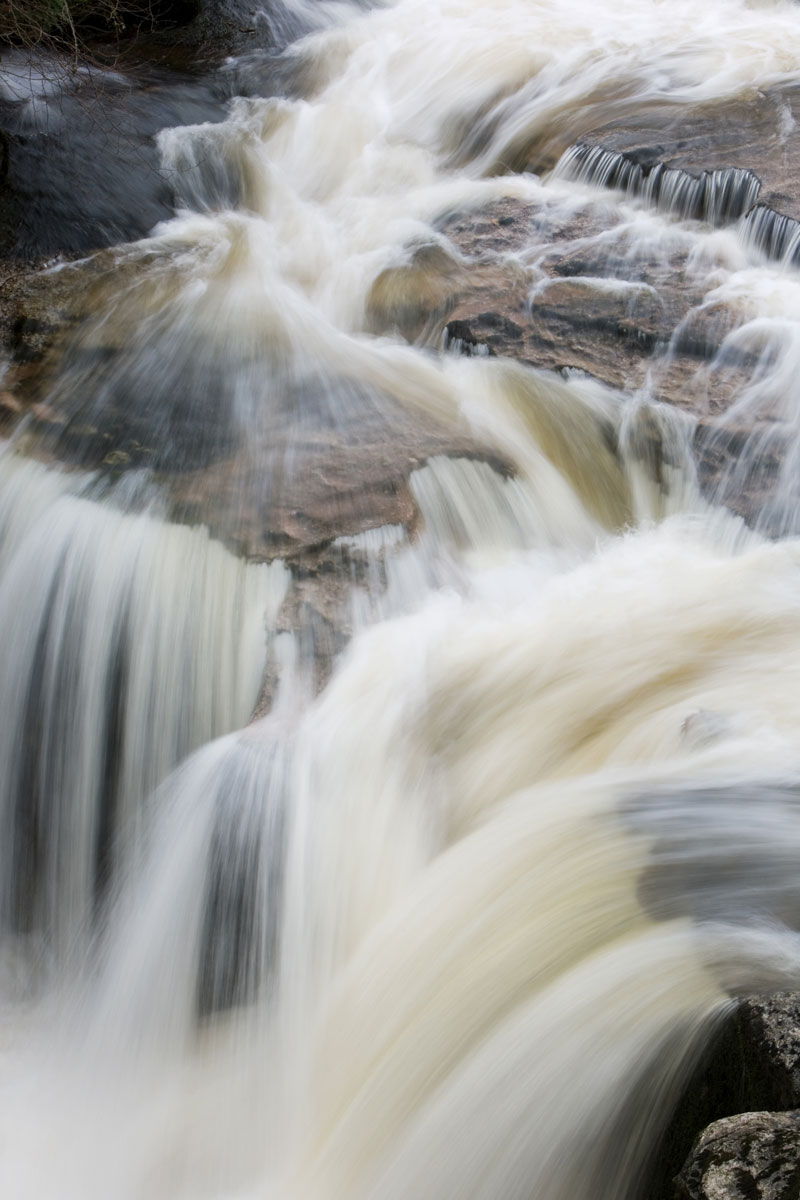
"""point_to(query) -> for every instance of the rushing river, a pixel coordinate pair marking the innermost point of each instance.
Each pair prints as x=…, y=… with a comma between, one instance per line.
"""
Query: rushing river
x=425, y=870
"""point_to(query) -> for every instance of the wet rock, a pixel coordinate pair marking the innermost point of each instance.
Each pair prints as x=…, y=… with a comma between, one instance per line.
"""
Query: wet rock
x=503, y=227
x=770, y=1027
x=214, y=28
x=561, y=297
x=37, y=309
x=753, y=1156
x=80, y=165
x=758, y=131
x=317, y=612
x=242, y=39
x=112, y=385
x=739, y=464
x=287, y=492
x=207, y=31
x=751, y=1066
x=580, y=295
x=10, y=409
x=719, y=196
x=41, y=307
x=717, y=151
x=460, y=338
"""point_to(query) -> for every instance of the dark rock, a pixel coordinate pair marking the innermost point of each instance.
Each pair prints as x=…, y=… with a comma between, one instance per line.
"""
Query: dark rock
x=215, y=28
x=753, y=1156
x=10, y=203
x=203, y=33
x=751, y=1065
x=771, y=1026
x=81, y=169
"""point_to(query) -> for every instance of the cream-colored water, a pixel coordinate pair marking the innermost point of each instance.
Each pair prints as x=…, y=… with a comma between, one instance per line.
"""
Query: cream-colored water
x=459, y=923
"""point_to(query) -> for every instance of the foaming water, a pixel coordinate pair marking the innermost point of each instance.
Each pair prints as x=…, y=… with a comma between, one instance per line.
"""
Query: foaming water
x=475, y=927
x=399, y=765
x=130, y=643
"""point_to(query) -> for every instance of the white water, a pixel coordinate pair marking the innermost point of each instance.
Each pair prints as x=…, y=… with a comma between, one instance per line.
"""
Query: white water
x=110, y=618
x=460, y=924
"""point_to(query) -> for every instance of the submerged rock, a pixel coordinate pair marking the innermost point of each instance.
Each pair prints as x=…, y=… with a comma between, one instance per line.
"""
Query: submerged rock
x=111, y=384
x=585, y=292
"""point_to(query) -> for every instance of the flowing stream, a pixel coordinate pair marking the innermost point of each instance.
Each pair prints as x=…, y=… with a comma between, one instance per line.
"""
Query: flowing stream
x=400, y=758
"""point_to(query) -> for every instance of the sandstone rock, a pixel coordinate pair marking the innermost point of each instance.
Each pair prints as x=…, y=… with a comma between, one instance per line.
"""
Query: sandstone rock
x=41, y=307
x=407, y=297
x=575, y=294
x=281, y=497
x=753, y=1156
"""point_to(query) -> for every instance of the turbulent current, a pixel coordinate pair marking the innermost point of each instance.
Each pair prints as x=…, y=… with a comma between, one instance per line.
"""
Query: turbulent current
x=400, y=755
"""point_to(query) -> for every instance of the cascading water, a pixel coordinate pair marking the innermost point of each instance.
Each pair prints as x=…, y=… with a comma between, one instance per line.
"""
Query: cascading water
x=93, y=599
x=399, y=773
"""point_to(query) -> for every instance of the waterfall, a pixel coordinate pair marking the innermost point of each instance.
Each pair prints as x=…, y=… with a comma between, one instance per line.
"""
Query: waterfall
x=400, y=672
x=716, y=196
x=130, y=643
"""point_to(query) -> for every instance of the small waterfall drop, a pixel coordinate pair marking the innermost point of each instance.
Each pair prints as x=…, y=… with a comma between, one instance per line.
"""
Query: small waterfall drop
x=719, y=197
x=131, y=643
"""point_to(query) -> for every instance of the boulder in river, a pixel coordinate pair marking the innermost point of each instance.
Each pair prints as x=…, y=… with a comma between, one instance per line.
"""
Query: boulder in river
x=752, y=1156
x=743, y=1095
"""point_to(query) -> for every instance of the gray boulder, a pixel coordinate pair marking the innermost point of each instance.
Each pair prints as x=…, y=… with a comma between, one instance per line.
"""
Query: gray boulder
x=753, y=1156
